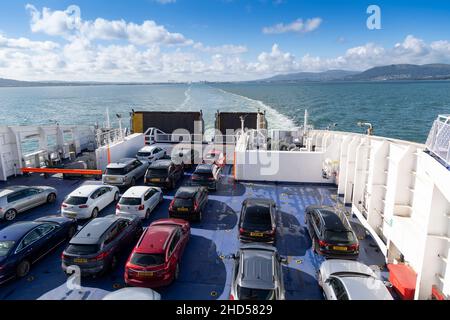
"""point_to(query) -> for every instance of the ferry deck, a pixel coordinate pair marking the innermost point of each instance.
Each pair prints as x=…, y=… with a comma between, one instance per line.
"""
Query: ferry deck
x=206, y=265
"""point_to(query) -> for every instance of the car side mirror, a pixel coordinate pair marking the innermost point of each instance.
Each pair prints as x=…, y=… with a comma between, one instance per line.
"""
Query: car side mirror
x=388, y=284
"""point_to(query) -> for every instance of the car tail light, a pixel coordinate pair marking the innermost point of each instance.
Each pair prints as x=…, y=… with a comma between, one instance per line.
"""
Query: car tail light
x=323, y=243
x=271, y=232
x=63, y=256
x=118, y=207
x=195, y=206
x=353, y=247
x=194, y=177
x=241, y=230
x=64, y=205
x=100, y=257
x=171, y=205
x=83, y=206
x=141, y=207
x=211, y=179
x=231, y=297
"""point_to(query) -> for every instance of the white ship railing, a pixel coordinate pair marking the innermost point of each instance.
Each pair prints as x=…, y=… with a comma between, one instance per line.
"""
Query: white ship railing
x=110, y=136
x=438, y=141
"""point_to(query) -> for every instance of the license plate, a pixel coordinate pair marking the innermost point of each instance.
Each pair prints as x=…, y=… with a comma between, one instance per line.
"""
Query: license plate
x=256, y=234
x=155, y=180
x=80, y=260
x=183, y=209
x=112, y=179
x=337, y=248
x=145, y=274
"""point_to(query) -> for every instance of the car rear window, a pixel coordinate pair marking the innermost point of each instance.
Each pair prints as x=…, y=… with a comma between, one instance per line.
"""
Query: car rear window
x=147, y=260
x=116, y=172
x=5, y=247
x=339, y=236
x=255, y=294
x=257, y=217
x=130, y=201
x=75, y=201
x=144, y=154
x=181, y=202
x=82, y=249
x=157, y=172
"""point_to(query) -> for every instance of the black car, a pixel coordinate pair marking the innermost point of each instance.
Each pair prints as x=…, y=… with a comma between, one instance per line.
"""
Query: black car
x=24, y=243
x=189, y=203
x=95, y=249
x=164, y=174
x=258, y=221
x=206, y=175
x=331, y=233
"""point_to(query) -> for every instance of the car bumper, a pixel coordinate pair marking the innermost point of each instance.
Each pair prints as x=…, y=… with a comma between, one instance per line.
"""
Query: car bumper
x=209, y=185
x=150, y=283
x=248, y=239
x=140, y=214
x=184, y=216
x=86, y=270
x=331, y=254
x=160, y=184
x=76, y=214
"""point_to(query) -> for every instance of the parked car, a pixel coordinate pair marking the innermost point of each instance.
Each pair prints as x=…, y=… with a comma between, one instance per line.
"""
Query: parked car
x=134, y=294
x=150, y=154
x=351, y=280
x=88, y=200
x=164, y=174
x=258, y=273
x=189, y=203
x=206, y=175
x=215, y=157
x=24, y=243
x=155, y=261
x=140, y=201
x=331, y=233
x=17, y=199
x=257, y=221
x=96, y=247
x=125, y=172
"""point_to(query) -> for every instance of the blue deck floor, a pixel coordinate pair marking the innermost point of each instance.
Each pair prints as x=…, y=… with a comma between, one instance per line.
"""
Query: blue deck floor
x=206, y=268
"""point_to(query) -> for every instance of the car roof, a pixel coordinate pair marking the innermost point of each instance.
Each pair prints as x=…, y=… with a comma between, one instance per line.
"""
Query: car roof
x=155, y=239
x=257, y=269
x=122, y=163
x=161, y=164
x=11, y=189
x=333, y=220
x=148, y=148
x=136, y=192
x=365, y=288
x=85, y=190
x=204, y=168
x=16, y=231
x=94, y=230
x=186, y=192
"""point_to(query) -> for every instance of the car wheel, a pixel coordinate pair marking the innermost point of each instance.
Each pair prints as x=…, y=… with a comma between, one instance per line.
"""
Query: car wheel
x=10, y=215
x=71, y=232
x=116, y=197
x=51, y=198
x=133, y=182
x=23, y=269
x=147, y=214
x=94, y=213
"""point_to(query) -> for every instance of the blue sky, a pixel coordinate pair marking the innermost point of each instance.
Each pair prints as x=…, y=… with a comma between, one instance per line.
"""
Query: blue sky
x=214, y=39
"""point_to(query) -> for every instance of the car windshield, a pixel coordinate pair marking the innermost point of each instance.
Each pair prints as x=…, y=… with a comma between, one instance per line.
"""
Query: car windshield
x=258, y=218
x=339, y=236
x=144, y=154
x=182, y=202
x=147, y=260
x=82, y=249
x=130, y=201
x=157, y=173
x=75, y=201
x=255, y=294
x=115, y=171
x=5, y=247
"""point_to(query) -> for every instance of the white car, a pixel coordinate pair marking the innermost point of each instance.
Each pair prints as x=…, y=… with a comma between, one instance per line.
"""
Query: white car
x=87, y=201
x=139, y=201
x=351, y=280
x=126, y=294
x=150, y=154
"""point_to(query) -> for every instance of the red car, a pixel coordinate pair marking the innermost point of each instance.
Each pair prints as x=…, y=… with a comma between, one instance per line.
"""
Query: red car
x=155, y=260
x=215, y=157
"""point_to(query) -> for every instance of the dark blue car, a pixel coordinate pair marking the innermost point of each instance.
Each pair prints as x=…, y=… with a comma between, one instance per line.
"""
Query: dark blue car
x=24, y=243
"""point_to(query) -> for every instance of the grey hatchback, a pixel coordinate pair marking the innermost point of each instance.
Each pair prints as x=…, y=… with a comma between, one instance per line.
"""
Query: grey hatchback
x=17, y=199
x=95, y=249
x=258, y=273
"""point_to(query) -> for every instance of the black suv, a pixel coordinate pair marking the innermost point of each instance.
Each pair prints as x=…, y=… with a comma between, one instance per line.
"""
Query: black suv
x=189, y=203
x=258, y=221
x=206, y=175
x=95, y=249
x=164, y=173
x=331, y=233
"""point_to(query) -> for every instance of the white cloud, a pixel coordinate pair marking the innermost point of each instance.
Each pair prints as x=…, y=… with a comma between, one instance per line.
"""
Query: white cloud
x=298, y=26
x=223, y=49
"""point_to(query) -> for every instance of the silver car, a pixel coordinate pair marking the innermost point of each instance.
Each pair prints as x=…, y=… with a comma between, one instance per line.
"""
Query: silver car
x=258, y=273
x=17, y=199
x=125, y=172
